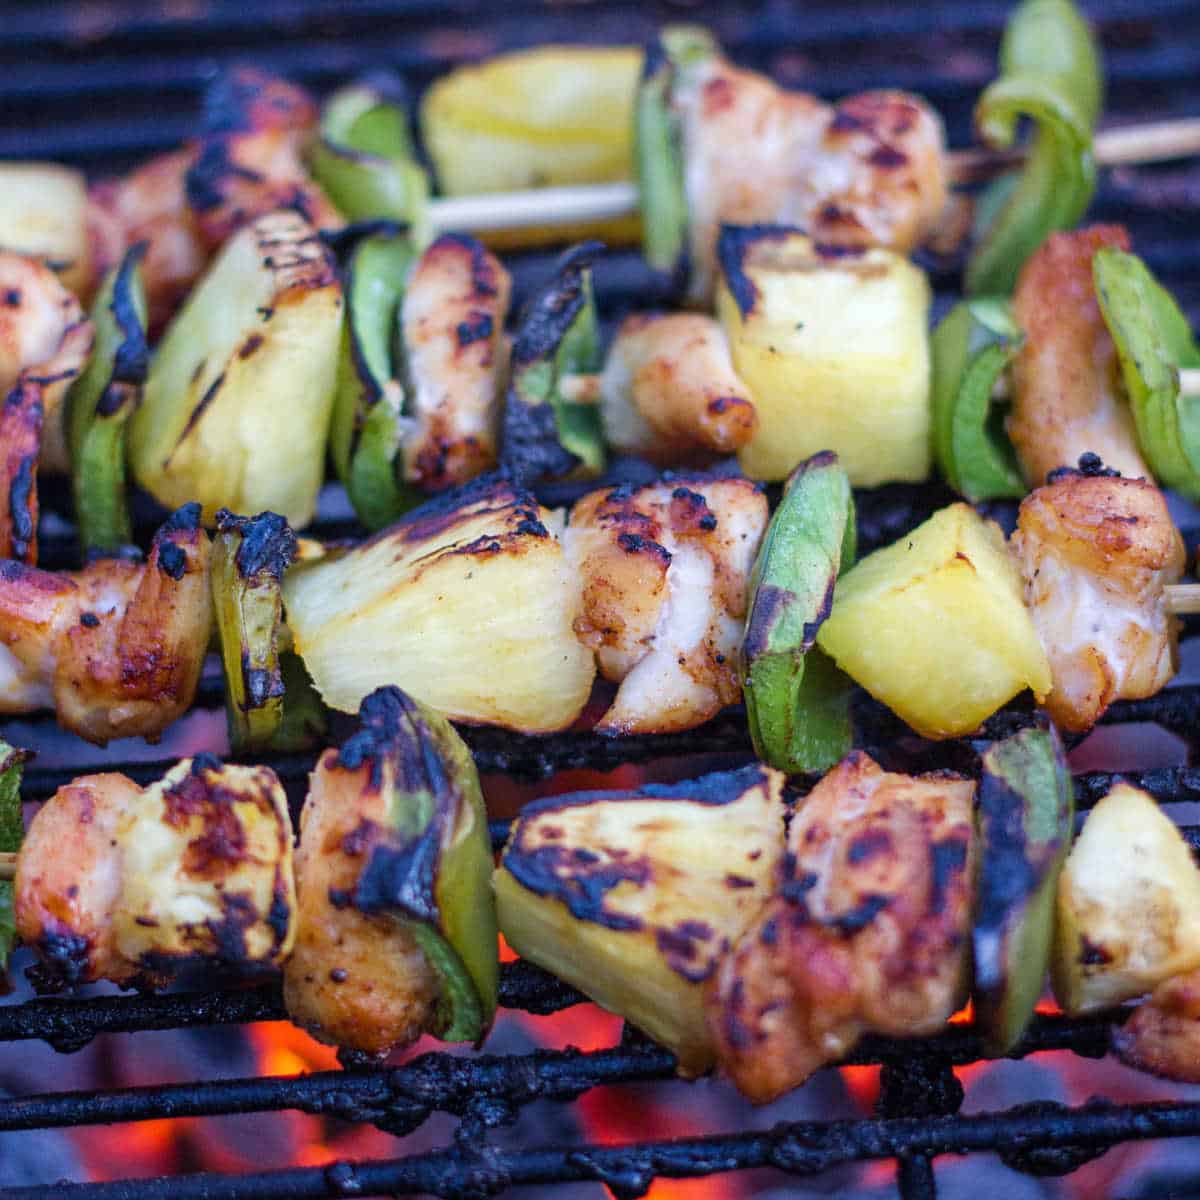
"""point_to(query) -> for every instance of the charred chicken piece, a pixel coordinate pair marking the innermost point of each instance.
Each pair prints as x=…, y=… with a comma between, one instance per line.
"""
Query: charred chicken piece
x=397, y=921
x=670, y=393
x=868, y=929
x=116, y=648
x=1096, y=552
x=456, y=361
x=664, y=570
x=120, y=883
x=1068, y=398
x=868, y=172
x=1163, y=1035
x=45, y=340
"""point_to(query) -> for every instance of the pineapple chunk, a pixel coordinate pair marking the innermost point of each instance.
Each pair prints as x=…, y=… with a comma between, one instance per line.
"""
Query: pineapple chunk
x=835, y=351
x=634, y=897
x=43, y=215
x=467, y=603
x=1128, y=905
x=536, y=118
x=935, y=627
x=237, y=405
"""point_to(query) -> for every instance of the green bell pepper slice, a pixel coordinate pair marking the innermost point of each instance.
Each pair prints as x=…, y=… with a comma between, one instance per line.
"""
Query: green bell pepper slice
x=1153, y=341
x=100, y=403
x=1026, y=816
x=363, y=157
x=797, y=700
x=432, y=870
x=659, y=151
x=547, y=434
x=1050, y=72
x=367, y=429
x=972, y=348
x=249, y=557
x=12, y=833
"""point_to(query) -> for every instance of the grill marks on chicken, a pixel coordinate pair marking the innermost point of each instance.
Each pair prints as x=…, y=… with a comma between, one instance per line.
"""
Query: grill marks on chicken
x=116, y=648
x=353, y=980
x=868, y=172
x=867, y=931
x=670, y=392
x=664, y=571
x=453, y=315
x=1068, y=397
x=45, y=341
x=1096, y=553
x=120, y=883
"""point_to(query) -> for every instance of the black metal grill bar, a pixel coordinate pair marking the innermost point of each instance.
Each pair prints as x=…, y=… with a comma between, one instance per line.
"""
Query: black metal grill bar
x=801, y=1148
x=401, y=1098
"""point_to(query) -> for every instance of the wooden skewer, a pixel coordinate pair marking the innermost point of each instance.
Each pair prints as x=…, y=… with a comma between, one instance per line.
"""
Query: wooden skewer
x=1157, y=141
x=8, y=866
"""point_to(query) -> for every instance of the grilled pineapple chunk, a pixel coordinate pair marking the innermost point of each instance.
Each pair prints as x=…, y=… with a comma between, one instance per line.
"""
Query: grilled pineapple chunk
x=835, y=351
x=935, y=626
x=1128, y=905
x=43, y=215
x=237, y=405
x=467, y=603
x=634, y=897
x=536, y=118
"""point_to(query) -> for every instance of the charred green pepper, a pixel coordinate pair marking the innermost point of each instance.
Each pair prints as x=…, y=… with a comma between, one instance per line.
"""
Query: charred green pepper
x=547, y=433
x=367, y=429
x=363, y=156
x=1026, y=815
x=1051, y=73
x=12, y=833
x=797, y=701
x=100, y=403
x=431, y=869
x=972, y=349
x=249, y=557
x=1153, y=341
x=659, y=147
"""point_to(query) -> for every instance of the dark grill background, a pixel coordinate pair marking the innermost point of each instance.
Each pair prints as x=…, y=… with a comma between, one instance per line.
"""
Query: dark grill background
x=104, y=84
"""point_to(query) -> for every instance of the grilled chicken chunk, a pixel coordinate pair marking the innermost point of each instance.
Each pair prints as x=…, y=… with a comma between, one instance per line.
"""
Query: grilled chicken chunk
x=353, y=980
x=115, y=648
x=664, y=570
x=120, y=883
x=868, y=172
x=457, y=357
x=1068, y=398
x=1163, y=1035
x=670, y=393
x=69, y=879
x=1096, y=552
x=868, y=929
x=45, y=341
x=187, y=203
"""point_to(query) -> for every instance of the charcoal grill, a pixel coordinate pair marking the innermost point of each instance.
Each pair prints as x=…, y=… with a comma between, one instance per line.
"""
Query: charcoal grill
x=105, y=83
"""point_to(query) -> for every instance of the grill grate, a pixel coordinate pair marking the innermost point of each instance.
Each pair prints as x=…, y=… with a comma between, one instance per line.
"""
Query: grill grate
x=103, y=84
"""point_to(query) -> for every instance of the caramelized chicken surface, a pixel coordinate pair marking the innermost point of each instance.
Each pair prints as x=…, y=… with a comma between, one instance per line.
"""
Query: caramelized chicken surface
x=1163, y=1035
x=664, y=570
x=187, y=203
x=45, y=341
x=453, y=316
x=868, y=172
x=868, y=929
x=1068, y=398
x=670, y=393
x=353, y=980
x=1096, y=552
x=115, y=648
x=128, y=884
x=69, y=879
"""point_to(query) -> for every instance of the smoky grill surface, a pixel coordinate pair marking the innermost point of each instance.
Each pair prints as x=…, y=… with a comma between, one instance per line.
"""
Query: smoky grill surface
x=105, y=84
